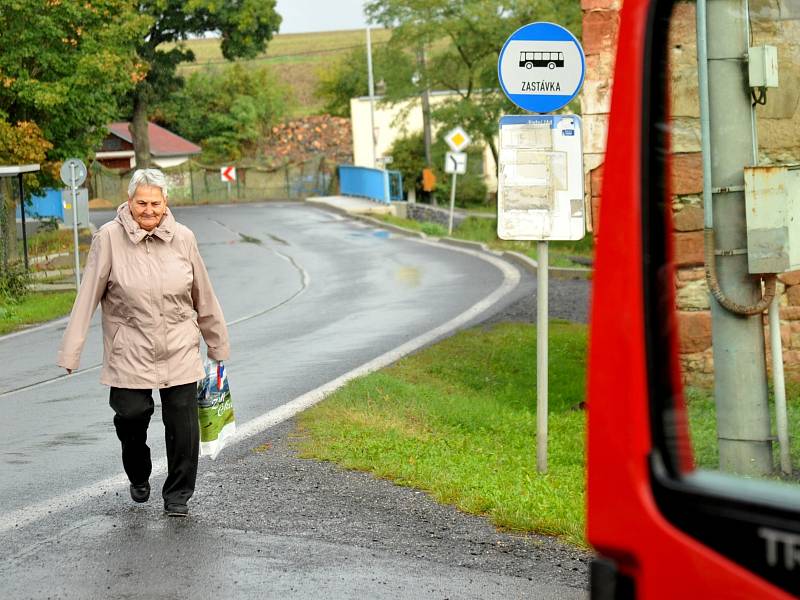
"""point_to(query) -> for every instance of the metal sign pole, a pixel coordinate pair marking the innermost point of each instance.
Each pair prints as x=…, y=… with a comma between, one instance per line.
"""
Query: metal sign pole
x=521, y=49
x=24, y=227
x=74, y=189
x=452, y=204
x=541, y=358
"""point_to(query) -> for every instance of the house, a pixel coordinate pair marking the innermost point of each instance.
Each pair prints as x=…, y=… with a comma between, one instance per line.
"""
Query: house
x=168, y=149
x=393, y=121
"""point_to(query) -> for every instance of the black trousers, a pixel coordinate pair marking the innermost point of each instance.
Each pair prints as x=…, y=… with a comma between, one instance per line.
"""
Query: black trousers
x=133, y=408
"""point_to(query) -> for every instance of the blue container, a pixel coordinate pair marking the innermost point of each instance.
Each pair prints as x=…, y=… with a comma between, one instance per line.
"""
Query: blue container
x=43, y=207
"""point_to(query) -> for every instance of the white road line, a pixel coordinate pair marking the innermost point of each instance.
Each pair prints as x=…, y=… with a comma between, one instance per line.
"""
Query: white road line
x=32, y=513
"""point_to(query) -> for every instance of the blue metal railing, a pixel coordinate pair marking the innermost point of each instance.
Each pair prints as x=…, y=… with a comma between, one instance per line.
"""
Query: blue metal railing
x=376, y=184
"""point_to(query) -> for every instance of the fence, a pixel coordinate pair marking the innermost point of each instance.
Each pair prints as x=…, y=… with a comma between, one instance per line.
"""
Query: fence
x=375, y=184
x=194, y=183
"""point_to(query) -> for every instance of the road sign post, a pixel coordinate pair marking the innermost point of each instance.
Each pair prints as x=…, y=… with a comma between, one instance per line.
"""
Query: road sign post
x=540, y=184
x=73, y=173
x=456, y=163
x=228, y=176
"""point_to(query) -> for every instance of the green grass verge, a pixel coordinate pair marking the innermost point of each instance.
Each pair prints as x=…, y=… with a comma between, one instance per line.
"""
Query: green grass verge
x=703, y=425
x=36, y=307
x=458, y=420
x=484, y=230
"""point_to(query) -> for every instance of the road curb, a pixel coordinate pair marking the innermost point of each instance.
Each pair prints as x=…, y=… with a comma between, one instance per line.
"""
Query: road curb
x=530, y=265
x=469, y=244
x=51, y=287
x=390, y=226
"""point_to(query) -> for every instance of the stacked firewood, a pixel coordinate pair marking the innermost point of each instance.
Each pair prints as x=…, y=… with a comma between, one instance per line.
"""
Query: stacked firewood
x=304, y=138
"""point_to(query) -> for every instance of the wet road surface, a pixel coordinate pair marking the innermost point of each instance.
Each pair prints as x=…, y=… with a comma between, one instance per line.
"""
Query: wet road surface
x=308, y=296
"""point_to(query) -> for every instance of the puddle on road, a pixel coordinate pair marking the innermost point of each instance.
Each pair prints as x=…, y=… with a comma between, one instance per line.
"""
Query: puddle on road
x=277, y=239
x=410, y=276
x=249, y=239
x=17, y=458
x=73, y=438
x=381, y=234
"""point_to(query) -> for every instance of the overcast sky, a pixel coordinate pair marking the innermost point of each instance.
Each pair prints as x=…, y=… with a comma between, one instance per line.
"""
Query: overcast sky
x=300, y=16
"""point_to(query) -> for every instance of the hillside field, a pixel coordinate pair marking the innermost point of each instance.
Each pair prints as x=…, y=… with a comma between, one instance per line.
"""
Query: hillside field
x=296, y=58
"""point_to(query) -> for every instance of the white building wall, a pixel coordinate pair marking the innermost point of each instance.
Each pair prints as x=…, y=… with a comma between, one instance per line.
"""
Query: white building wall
x=391, y=123
x=170, y=161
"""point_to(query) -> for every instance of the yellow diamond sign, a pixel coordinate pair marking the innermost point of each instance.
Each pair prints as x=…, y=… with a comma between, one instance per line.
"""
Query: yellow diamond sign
x=457, y=139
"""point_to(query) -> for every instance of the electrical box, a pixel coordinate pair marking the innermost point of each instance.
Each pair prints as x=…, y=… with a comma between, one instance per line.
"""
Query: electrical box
x=772, y=201
x=763, y=66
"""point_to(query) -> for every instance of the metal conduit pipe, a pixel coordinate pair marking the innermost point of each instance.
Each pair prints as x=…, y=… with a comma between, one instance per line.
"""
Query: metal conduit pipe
x=708, y=202
x=715, y=289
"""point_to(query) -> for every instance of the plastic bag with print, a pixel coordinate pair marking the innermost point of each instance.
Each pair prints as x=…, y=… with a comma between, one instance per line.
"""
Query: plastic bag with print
x=215, y=410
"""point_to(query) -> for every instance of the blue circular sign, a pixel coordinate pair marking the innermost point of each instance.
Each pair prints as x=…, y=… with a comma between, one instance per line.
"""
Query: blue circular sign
x=541, y=67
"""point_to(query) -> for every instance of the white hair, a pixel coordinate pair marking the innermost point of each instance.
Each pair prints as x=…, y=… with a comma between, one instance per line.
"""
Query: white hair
x=152, y=177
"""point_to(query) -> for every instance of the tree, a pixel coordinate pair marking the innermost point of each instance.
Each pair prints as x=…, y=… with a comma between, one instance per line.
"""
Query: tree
x=244, y=26
x=463, y=39
x=228, y=111
x=64, y=65
x=408, y=153
x=393, y=70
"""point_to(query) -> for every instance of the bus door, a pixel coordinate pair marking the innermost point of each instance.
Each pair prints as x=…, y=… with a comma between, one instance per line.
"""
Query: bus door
x=694, y=367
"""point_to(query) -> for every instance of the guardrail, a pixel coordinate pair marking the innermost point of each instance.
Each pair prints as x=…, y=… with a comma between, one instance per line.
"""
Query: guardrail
x=375, y=184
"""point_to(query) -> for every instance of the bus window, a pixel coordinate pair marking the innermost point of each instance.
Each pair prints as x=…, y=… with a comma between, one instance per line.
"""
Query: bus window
x=720, y=284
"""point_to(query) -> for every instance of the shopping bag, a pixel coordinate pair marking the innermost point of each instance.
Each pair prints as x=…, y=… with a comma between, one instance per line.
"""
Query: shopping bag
x=215, y=410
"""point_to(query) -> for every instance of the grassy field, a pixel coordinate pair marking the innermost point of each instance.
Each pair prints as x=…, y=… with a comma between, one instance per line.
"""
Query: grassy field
x=458, y=420
x=296, y=58
x=35, y=308
x=484, y=230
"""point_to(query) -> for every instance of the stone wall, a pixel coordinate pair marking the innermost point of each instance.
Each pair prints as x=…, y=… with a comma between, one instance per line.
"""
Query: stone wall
x=431, y=214
x=779, y=141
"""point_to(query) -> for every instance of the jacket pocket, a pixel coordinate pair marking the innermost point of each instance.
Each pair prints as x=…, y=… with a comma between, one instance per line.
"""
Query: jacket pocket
x=117, y=340
x=197, y=332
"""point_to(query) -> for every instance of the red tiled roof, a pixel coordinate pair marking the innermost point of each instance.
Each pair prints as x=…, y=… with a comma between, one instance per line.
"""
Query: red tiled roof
x=162, y=141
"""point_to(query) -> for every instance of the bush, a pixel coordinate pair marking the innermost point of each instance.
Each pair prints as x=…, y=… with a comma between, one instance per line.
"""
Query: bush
x=408, y=154
x=433, y=229
x=228, y=111
x=14, y=282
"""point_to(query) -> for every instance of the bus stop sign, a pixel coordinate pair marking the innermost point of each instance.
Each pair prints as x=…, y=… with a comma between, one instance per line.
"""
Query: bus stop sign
x=541, y=67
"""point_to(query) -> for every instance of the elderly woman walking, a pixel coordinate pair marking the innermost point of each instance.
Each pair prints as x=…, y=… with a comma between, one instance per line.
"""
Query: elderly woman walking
x=146, y=271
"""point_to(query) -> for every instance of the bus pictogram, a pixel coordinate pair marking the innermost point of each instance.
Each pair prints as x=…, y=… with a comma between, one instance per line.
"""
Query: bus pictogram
x=551, y=60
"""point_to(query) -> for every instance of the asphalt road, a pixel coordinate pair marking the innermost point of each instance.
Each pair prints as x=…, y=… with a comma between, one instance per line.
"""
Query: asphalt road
x=308, y=296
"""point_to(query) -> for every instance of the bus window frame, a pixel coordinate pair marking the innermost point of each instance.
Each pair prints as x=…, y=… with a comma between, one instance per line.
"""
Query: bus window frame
x=726, y=513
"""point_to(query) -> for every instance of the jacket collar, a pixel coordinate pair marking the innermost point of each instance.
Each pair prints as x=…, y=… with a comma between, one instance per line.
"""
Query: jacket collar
x=165, y=229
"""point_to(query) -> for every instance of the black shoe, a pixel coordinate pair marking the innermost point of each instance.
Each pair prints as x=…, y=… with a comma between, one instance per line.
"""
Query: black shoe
x=176, y=510
x=140, y=492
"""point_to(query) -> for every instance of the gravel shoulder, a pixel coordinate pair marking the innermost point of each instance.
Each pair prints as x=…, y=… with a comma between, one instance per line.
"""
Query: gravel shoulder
x=267, y=488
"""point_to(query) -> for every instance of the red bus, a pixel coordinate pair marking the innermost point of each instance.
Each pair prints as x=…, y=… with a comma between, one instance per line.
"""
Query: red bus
x=669, y=517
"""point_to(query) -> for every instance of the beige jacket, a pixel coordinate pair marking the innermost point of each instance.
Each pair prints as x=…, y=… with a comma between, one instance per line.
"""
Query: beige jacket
x=150, y=286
